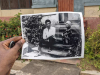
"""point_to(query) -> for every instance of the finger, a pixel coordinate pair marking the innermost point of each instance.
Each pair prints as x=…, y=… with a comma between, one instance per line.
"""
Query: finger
x=15, y=39
x=5, y=47
x=18, y=45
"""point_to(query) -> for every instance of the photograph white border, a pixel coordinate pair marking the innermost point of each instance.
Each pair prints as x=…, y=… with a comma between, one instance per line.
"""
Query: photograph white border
x=82, y=36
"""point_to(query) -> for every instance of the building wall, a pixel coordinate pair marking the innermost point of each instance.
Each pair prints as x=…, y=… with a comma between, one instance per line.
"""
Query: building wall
x=10, y=13
x=93, y=22
x=91, y=11
x=44, y=10
x=80, y=4
x=91, y=14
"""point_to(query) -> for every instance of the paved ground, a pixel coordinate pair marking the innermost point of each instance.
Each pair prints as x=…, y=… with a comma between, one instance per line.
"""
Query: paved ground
x=37, y=67
x=19, y=64
x=92, y=72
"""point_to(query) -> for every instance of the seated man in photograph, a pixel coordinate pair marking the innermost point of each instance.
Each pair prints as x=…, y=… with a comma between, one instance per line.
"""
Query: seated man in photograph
x=71, y=37
x=48, y=35
x=67, y=34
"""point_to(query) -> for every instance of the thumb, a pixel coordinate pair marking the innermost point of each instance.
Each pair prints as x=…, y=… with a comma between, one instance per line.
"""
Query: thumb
x=18, y=45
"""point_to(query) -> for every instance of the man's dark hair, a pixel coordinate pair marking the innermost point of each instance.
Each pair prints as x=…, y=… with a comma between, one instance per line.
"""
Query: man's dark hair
x=47, y=21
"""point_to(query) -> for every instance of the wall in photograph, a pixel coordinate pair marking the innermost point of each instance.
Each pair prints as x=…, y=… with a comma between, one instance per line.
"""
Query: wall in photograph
x=64, y=17
x=73, y=16
x=52, y=18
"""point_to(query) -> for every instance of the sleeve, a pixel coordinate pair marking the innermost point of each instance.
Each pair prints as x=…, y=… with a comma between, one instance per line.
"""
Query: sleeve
x=44, y=34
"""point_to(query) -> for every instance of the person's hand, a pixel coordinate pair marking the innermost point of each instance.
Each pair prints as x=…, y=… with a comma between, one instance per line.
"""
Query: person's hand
x=7, y=55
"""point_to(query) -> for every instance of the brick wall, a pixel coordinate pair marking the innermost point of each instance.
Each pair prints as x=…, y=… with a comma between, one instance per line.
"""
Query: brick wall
x=92, y=22
x=5, y=18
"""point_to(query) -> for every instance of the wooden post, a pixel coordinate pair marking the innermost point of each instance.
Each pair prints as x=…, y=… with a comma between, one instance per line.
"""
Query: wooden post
x=9, y=4
x=18, y=4
x=0, y=8
x=0, y=5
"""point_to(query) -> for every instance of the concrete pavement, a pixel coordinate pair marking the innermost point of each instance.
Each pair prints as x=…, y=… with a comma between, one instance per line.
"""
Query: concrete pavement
x=37, y=67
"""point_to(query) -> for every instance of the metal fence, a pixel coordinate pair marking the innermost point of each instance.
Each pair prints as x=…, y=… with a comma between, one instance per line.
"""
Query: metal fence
x=16, y=4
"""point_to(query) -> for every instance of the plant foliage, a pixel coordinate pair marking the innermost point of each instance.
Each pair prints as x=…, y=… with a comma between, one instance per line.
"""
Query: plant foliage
x=92, y=46
x=11, y=28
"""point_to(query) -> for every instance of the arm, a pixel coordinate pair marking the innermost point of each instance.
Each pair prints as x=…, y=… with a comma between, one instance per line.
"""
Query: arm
x=44, y=34
x=53, y=32
x=7, y=55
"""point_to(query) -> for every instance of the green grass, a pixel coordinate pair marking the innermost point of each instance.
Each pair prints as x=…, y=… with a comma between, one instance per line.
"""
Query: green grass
x=88, y=64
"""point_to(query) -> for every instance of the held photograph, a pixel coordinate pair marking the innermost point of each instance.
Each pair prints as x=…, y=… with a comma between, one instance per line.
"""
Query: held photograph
x=51, y=36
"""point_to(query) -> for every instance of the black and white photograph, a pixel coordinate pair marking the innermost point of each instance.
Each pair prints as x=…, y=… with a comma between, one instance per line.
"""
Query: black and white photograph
x=51, y=36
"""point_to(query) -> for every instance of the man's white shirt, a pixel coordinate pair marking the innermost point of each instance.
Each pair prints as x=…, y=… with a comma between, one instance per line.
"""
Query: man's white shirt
x=47, y=33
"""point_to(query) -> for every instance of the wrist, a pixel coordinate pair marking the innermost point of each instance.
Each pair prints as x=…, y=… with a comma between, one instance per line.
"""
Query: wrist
x=4, y=70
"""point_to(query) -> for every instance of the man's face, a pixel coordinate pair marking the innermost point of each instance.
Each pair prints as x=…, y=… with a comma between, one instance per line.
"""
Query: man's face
x=67, y=25
x=48, y=24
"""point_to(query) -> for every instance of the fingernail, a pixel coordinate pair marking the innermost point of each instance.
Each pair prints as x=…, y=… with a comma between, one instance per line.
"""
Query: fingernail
x=22, y=41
